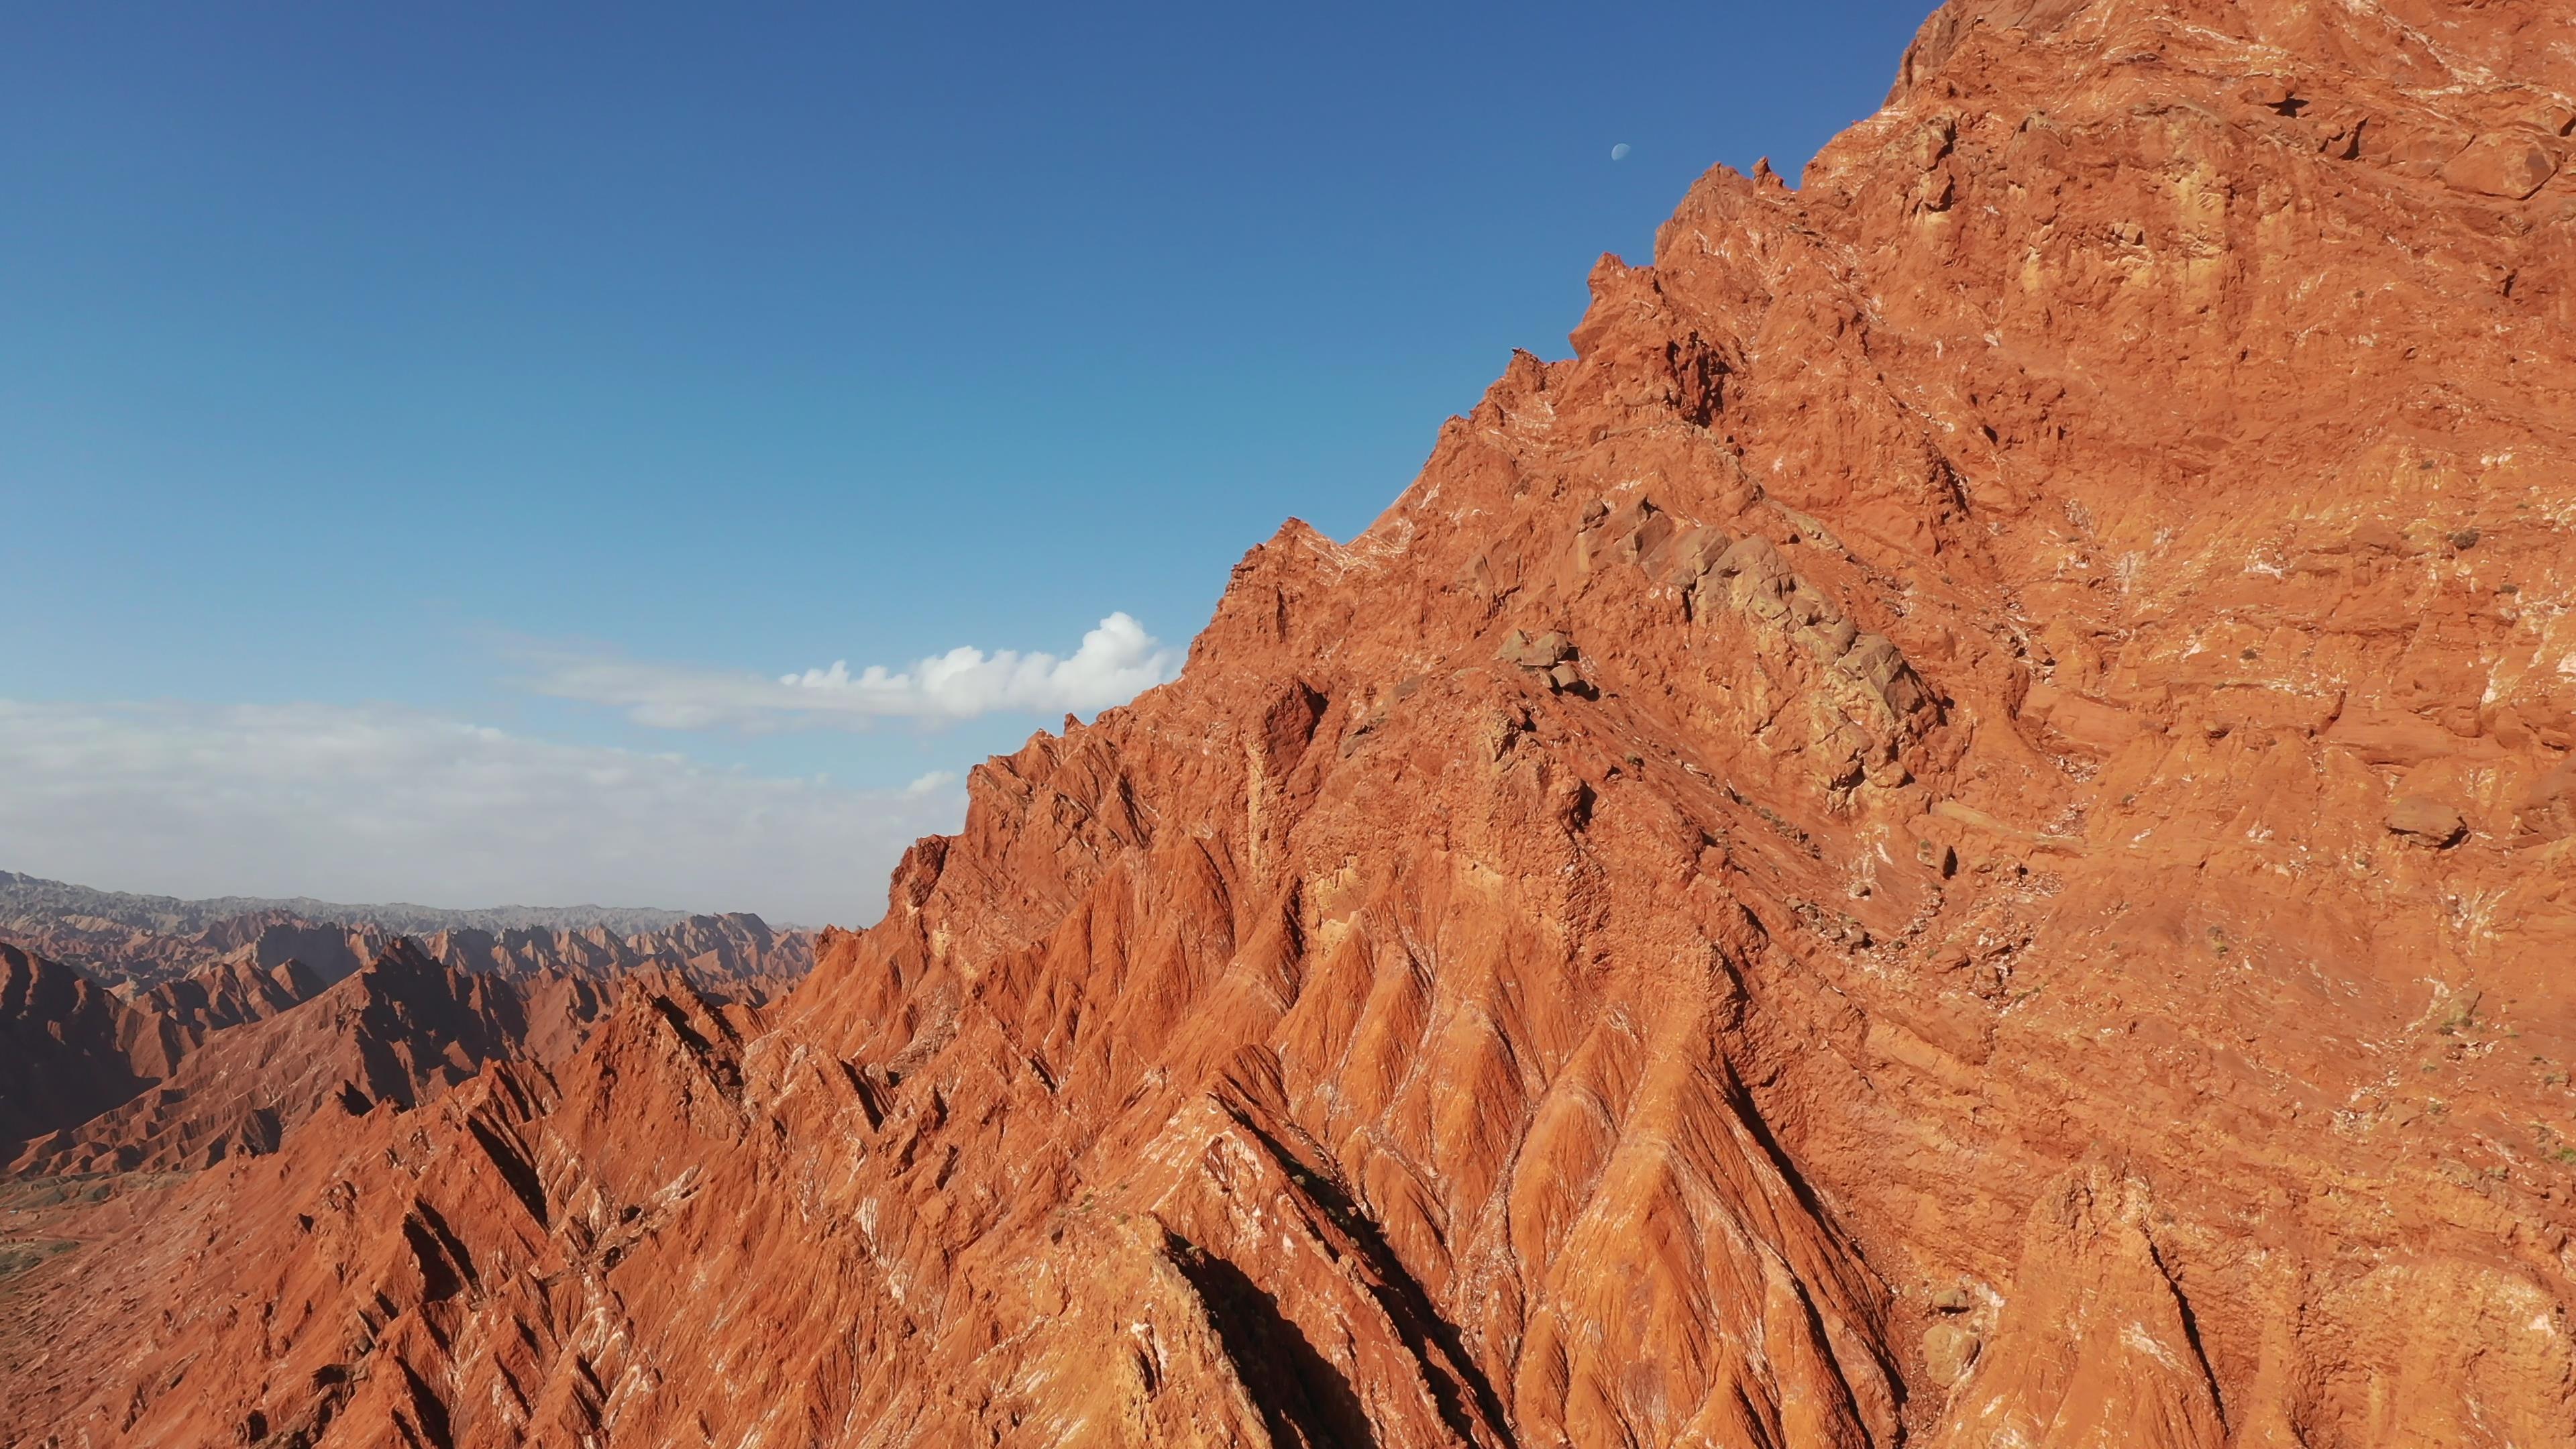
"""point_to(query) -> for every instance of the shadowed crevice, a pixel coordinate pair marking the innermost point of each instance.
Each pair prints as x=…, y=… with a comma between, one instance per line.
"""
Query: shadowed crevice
x=1305, y=1402
x=1432, y=1339
x=514, y=1167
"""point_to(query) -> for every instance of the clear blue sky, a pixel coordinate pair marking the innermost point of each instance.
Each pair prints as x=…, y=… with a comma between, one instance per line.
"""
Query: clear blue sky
x=372, y=362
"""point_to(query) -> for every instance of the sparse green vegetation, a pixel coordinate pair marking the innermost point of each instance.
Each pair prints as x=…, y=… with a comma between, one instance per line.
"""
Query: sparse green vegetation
x=18, y=1257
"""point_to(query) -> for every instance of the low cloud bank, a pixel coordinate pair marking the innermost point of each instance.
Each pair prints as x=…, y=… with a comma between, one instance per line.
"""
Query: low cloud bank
x=385, y=803
x=1116, y=662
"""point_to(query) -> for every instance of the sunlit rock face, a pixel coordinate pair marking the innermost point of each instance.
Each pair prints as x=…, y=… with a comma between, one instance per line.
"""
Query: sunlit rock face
x=1961, y=831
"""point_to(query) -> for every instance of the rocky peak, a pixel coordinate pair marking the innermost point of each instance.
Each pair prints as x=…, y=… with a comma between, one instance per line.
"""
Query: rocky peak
x=1956, y=831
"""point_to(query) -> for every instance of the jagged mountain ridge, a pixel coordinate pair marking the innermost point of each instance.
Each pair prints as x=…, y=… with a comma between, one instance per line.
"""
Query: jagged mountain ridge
x=33, y=899
x=1957, y=832
x=402, y=1029
x=63, y=1059
x=737, y=950
x=113, y=1072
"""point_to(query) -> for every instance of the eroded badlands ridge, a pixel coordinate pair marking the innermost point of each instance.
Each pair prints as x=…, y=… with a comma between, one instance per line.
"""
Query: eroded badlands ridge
x=727, y=953
x=1962, y=831
x=159, y=1052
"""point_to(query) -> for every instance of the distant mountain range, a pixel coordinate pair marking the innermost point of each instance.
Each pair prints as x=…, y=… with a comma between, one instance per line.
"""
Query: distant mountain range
x=34, y=896
x=150, y=1033
x=136, y=943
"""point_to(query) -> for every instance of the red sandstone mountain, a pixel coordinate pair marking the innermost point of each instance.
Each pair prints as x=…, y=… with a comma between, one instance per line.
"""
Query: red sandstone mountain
x=401, y=1030
x=1959, y=832
x=162, y=1071
x=170, y=1020
x=63, y=1058
x=729, y=954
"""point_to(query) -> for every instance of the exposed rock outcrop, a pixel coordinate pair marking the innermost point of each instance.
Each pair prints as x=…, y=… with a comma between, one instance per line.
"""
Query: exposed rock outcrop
x=402, y=1030
x=1939, y=970
x=164, y=1071
x=62, y=1054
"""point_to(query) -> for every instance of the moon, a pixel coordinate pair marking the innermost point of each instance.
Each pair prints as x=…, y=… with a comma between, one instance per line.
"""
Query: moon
x=1619, y=152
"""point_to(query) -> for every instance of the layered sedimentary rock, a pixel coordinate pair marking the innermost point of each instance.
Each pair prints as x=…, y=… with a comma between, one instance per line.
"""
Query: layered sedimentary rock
x=401, y=1030
x=62, y=1056
x=1959, y=831
x=166, y=1022
x=127, y=1065
x=734, y=952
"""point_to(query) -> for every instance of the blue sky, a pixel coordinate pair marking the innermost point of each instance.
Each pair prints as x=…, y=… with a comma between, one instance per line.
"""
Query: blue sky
x=369, y=376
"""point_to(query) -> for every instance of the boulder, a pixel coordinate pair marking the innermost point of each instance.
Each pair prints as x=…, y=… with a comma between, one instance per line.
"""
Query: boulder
x=2426, y=820
x=1541, y=652
x=1949, y=1350
x=2549, y=809
x=2504, y=164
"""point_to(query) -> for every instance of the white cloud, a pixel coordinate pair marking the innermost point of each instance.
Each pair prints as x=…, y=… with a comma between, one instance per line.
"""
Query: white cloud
x=368, y=804
x=1116, y=662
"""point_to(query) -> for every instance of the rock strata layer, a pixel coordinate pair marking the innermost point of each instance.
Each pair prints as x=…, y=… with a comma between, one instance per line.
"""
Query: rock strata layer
x=1870, y=859
x=127, y=1064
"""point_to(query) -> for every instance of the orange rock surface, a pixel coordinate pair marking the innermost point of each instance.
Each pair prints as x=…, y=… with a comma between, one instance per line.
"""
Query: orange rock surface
x=1869, y=860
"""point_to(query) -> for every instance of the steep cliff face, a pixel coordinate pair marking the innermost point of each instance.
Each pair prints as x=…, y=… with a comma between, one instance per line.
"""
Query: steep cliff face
x=1960, y=831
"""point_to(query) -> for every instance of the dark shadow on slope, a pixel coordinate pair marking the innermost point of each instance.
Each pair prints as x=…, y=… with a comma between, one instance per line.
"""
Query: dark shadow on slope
x=514, y=1167
x=1875, y=1340
x=1305, y=1402
x=1404, y=1300
x=428, y=1411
